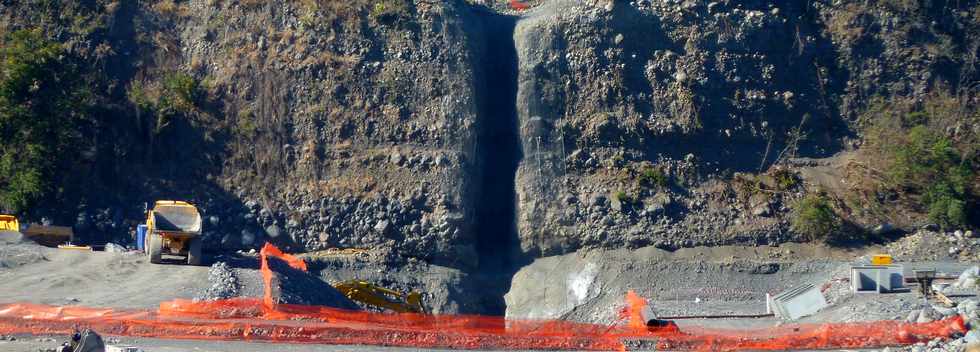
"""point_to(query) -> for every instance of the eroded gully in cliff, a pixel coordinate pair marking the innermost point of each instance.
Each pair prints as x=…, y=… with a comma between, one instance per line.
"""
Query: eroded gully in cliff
x=499, y=152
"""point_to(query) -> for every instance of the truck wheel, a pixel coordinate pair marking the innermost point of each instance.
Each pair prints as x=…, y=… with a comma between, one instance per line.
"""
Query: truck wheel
x=154, y=247
x=194, y=252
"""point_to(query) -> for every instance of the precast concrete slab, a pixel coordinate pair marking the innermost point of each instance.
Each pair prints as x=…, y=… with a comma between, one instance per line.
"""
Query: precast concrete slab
x=798, y=302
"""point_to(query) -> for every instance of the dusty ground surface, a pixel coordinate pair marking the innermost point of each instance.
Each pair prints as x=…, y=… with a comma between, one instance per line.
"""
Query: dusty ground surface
x=36, y=274
x=706, y=281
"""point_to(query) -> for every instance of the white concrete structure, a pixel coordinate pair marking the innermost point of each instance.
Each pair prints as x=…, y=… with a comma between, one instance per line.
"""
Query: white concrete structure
x=798, y=302
x=877, y=278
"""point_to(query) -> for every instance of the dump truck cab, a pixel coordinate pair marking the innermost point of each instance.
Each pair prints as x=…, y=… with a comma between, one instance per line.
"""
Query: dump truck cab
x=173, y=228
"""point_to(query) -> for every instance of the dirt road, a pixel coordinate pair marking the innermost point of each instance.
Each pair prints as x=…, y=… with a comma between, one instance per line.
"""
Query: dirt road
x=38, y=274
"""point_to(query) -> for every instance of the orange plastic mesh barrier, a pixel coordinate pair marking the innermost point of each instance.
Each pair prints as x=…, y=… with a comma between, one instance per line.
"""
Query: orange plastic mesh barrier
x=270, y=250
x=253, y=319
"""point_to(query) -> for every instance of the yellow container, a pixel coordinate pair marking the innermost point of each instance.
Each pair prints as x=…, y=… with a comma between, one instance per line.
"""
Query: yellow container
x=881, y=259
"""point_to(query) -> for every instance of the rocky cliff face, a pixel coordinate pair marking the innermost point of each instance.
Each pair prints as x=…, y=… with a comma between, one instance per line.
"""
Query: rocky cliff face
x=450, y=132
x=634, y=116
x=328, y=124
x=361, y=122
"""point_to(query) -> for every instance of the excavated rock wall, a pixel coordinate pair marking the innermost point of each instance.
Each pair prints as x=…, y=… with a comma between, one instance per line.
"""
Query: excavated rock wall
x=365, y=125
x=613, y=95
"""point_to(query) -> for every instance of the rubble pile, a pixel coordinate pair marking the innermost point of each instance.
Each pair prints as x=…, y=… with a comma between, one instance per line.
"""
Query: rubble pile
x=224, y=283
x=931, y=244
x=967, y=309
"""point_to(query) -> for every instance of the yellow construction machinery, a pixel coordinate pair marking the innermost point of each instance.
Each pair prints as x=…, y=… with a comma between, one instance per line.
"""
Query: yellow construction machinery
x=9, y=223
x=881, y=259
x=51, y=236
x=173, y=228
x=377, y=296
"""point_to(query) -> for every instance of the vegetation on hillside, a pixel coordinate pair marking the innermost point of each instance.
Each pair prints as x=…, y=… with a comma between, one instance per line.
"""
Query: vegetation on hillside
x=814, y=217
x=654, y=177
x=927, y=155
x=42, y=105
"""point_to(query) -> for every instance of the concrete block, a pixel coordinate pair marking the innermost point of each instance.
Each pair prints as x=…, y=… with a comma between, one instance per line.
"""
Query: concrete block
x=877, y=278
x=798, y=302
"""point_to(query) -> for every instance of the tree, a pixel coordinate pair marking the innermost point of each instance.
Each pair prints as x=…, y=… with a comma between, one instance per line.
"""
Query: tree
x=41, y=105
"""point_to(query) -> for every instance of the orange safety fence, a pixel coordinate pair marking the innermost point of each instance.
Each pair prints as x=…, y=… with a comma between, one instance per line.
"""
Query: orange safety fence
x=270, y=250
x=519, y=6
x=253, y=319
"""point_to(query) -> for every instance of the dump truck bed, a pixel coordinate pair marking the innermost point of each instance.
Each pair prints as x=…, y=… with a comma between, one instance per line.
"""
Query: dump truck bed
x=176, y=218
x=9, y=223
x=51, y=236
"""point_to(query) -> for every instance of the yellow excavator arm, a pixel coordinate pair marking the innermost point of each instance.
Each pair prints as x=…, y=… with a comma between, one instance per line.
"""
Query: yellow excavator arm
x=377, y=296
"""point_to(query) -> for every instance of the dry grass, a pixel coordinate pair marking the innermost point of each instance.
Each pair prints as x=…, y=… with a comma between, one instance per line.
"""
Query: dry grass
x=845, y=25
x=170, y=8
x=253, y=4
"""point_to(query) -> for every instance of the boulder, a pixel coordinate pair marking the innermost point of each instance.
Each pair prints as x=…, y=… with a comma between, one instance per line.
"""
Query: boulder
x=928, y=314
x=967, y=308
x=968, y=279
x=248, y=237
x=913, y=316
x=972, y=337
x=616, y=204
x=115, y=248
x=273, y=231
x=382, y=226
x=945, y=312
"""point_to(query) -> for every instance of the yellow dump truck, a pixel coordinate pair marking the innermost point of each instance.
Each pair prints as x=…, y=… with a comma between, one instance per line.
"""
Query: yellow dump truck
x=51, y=236
x=173, y=228
x=9, y=223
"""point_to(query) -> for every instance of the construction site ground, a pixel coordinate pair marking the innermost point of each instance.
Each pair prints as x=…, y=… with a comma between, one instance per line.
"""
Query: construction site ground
x=695, y=281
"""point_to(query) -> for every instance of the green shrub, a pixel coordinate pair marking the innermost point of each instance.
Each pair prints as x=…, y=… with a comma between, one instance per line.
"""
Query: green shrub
x=813, y=217
x=653, y=177
x=785, y=179
x=182, y=92
x=927, y=163
x=246, y=123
